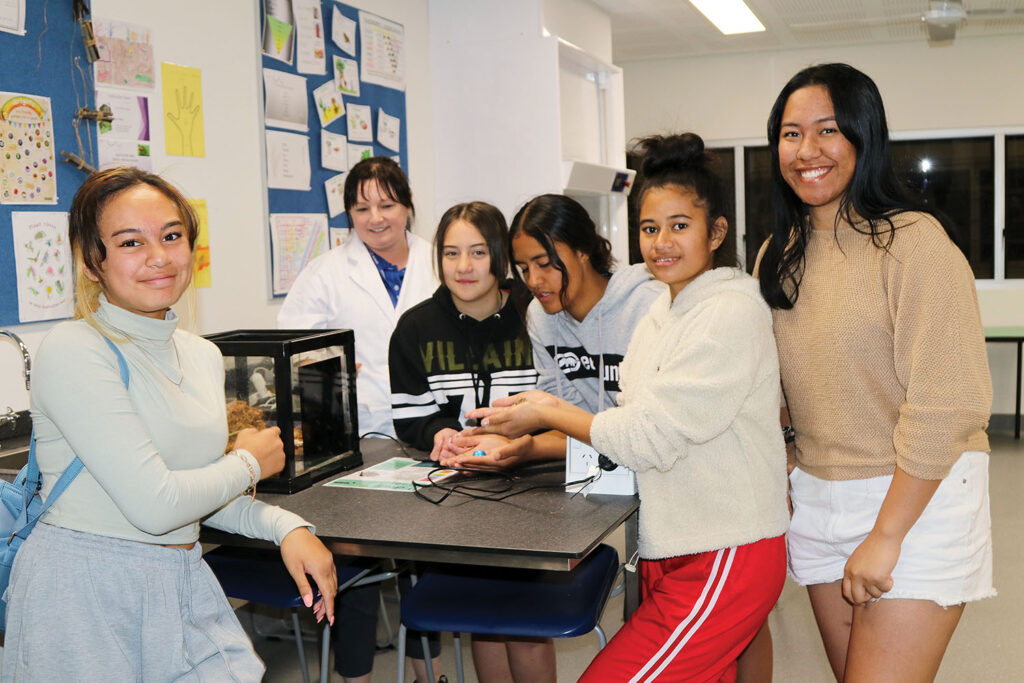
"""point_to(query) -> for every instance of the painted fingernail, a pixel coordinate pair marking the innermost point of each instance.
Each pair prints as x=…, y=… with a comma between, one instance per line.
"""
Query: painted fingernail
x=479, y=453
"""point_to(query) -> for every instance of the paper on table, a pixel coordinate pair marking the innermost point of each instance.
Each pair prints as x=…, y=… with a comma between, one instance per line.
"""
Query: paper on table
x=394, y=474
x=360, y=125
x=346, y=75
x=388, y=129
x=335, y=189
x=296, y=239
x=286, y=100
x=333, y=151
x=287, y=160
x=278, y=29
x=309, y=31
x=383, y=51
x=42, y=260
x=183, y=110
x=330, y=106
x=343, y=32
x=357, y=153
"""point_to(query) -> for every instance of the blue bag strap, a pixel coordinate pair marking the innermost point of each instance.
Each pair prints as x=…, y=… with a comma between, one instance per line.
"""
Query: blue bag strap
x=70, y=472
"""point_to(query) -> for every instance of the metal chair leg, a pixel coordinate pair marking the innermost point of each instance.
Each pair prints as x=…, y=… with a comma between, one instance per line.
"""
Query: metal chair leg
x=298, y=643
x=401, y=653
x=602, y=639
x=459, y=673
x=427, y=659
x=325, y=652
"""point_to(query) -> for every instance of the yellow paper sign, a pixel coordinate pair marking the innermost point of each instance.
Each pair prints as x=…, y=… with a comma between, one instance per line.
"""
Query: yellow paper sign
x=183, y=110
x=201, y=261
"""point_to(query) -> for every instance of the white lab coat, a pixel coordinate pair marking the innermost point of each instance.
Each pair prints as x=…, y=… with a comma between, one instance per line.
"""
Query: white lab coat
x=343, y=290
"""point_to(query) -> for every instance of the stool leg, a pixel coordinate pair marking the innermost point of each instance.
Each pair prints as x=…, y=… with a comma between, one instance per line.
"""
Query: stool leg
x=298, y=644
x=325, y=651
x=602, y=639
x=428, y=660
x=459, y=673
x=401, y=653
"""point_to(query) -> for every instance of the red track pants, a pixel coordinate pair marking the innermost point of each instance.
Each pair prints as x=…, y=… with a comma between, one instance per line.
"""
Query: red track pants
x=698, y=614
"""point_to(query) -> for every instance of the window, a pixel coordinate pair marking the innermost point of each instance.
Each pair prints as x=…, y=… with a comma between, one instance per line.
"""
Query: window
x=954, y=176
x=757, y=165
x=1014, y=232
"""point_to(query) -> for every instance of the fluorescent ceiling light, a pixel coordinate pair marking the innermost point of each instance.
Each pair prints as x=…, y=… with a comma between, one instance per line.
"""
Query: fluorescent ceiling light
x=729, y=16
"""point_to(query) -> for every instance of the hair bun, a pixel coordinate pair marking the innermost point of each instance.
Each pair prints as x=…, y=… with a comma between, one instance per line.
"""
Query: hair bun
x=668, y=153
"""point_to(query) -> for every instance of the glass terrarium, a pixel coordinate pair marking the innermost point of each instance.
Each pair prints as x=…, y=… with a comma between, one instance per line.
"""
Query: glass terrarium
x=303, y=381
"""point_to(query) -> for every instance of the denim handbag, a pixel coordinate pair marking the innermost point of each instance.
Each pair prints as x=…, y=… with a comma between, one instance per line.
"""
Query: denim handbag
x=21, y=505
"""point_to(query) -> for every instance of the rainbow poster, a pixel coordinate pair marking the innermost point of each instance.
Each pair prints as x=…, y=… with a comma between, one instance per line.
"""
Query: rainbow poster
x=28, y=174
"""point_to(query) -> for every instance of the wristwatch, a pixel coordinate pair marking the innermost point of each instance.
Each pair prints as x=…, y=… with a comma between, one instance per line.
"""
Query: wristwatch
x=788, y=434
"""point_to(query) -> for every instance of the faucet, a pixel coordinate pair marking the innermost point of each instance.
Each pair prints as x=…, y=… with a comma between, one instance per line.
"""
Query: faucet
x=26, y=361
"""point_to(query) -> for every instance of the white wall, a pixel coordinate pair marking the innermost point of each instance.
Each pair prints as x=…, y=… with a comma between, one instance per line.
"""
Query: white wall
x=221, y=39
x=728, y=97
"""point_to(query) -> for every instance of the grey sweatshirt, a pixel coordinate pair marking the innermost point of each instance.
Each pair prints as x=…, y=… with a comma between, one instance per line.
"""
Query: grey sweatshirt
x=579, y=361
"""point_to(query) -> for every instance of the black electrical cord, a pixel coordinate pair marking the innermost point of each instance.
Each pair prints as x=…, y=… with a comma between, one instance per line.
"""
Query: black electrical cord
x=463, y=488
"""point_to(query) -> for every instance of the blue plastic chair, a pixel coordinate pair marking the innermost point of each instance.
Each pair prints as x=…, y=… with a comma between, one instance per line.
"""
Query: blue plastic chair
x=257, y=575
x=511, y=602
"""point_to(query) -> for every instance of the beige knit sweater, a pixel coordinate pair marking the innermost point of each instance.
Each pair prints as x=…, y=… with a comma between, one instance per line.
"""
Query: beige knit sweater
x=883, y=356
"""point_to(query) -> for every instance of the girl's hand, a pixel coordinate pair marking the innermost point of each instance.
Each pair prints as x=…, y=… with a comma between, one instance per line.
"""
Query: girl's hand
x=265, y=445
x=500, y=452
x=303, y=553
x=531, y=396
x=516, y=420
x=868, y=573
x=442, y=444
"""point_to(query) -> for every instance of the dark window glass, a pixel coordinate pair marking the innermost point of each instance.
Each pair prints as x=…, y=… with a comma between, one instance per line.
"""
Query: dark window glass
x=757, y=174
x=1014, y=232
x=954, y=177
x=723, y=164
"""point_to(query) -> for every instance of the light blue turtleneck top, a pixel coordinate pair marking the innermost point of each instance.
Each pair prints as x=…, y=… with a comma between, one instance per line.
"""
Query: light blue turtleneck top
x=153, y=453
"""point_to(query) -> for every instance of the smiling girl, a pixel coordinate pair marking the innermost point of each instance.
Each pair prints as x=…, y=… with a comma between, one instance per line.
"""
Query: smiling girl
x=883, y=364
x=697, y=420
x=465, y=345
x=111, y=584
x=580, y=321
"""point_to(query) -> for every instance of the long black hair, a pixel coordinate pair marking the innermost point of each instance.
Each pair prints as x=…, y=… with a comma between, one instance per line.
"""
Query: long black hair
x=552, y=218
x=875, y=192
x=681, y=161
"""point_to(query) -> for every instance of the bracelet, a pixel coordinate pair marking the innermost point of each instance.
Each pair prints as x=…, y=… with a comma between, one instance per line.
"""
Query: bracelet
x=251, y=490
x=788, y=434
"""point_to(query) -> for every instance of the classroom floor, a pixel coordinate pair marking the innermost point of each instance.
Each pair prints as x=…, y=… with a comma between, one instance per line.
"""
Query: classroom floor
x=985, y=647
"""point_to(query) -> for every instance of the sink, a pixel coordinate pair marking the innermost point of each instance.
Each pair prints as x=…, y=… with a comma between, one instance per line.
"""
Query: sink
x=14, y=441
x=13, y=454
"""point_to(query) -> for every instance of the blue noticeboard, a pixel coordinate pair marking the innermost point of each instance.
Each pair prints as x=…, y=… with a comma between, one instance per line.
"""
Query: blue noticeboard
x=377, y=97
x=45, y=62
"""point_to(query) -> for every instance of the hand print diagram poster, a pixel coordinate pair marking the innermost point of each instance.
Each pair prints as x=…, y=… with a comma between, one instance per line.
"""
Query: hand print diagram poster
x=183, y=110
x=26, y=150
x=42, y=259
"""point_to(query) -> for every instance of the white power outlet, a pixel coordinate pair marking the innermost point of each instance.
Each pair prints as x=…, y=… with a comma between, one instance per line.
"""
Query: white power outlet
x=581, y=457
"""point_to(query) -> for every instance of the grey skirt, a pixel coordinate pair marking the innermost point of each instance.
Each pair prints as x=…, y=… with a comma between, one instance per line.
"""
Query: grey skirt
x=82, y=607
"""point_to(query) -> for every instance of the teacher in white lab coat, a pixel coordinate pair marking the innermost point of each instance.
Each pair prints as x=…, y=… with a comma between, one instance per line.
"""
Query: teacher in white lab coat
x=366, y=284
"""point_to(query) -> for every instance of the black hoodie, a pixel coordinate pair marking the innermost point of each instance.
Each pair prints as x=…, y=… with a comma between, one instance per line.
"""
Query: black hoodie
x=443, y=363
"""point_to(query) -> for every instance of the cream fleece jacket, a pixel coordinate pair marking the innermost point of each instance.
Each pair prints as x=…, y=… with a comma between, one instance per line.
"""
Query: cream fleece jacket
x=698, y=419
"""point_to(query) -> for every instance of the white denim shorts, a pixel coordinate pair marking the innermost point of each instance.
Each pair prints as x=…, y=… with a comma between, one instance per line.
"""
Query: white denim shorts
x=946, y=557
